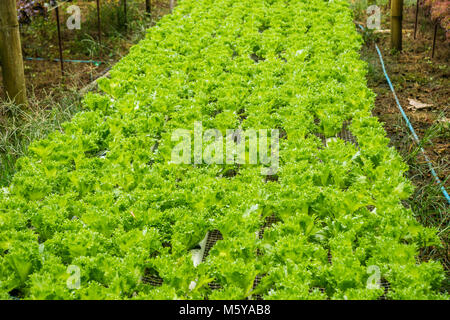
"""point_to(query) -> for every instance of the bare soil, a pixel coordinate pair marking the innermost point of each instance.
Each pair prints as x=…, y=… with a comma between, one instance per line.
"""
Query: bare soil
x=42, y=77
x=416, y=75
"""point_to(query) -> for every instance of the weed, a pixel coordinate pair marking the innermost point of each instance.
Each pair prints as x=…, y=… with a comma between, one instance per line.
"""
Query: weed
x=19, y=125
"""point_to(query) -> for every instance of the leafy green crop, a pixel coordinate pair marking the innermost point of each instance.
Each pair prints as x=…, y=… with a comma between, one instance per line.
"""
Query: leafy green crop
x=103, y=196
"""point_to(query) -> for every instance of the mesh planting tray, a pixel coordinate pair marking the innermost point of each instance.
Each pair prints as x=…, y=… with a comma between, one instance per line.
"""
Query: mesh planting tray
x=213, y=237
x=386, y=286
x=214, y=286
x=268, y=222
x=255, y=284
x=345, y=134
x=152, y=280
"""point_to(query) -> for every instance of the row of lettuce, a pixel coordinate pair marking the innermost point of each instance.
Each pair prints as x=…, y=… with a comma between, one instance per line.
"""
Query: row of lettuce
x=96, y=209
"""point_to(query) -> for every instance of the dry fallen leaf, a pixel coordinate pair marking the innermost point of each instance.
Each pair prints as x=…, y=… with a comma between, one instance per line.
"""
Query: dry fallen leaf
x=414, y=104
x=444, y=120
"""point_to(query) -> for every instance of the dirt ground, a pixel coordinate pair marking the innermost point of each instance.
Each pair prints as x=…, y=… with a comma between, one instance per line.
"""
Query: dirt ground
x=417, y=76
x=42, y=77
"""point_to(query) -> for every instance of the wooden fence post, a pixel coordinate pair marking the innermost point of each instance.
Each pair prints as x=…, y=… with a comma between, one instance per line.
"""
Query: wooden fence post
x=417, y=16
x=396, y=24
x=11, y=53
x=125, y=13
x=434, y=38
x=58, y=28
x=99, y=24
x=148, y=6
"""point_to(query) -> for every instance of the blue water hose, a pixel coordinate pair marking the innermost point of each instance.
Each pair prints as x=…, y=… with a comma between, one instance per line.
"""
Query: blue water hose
x=408, y=123
x=96, y=63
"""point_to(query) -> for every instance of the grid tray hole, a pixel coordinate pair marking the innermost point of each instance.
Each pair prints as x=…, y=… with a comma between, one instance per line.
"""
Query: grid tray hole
x=153, y=280
x=268, y=222
x=213, y=237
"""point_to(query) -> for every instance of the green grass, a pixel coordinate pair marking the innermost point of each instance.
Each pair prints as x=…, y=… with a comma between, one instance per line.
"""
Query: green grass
x=21, y=125
x=427, y=201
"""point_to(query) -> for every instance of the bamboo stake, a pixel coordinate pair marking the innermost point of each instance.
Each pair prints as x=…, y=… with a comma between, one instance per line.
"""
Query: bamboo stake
x=125, y=13
x=417, y=14
x=99, y=25
x=148, y=7
x=434, y=39
x=59, y=40
x=396, y=24
x=11, y=53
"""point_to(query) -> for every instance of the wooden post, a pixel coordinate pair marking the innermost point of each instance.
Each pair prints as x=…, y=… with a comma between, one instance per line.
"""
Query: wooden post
x=396, y=24
x=434, y=38
x=58, y=27
x=99, y=25
x=11, y=53
x=125, y=13
x=148, y=7
x=171, y=5
x=417, y=15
